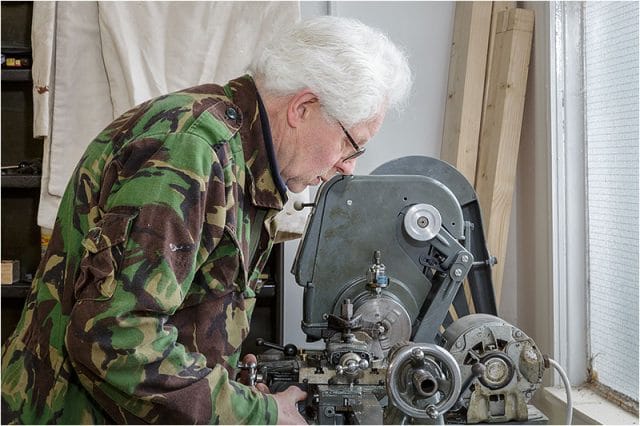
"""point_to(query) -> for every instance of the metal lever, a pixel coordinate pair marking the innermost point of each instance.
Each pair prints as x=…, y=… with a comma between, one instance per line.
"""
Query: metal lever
x=252, y=368
x=298, y=205
x=289, y=349
x=477, y=370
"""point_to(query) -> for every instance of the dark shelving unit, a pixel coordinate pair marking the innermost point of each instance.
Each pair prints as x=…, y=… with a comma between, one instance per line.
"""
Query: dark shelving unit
x=20, y=181
x=16, y=75
x=266, y=322
x=17, y=290
x=20, y=192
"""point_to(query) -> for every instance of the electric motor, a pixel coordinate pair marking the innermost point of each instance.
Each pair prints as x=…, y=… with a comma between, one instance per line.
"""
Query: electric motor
x=501, y=368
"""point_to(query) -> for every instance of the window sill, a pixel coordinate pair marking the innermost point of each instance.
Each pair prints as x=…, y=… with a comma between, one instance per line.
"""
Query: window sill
x=588, y=407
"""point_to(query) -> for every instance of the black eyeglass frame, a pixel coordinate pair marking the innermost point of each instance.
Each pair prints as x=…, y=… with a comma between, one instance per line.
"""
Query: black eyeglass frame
x=359, y=150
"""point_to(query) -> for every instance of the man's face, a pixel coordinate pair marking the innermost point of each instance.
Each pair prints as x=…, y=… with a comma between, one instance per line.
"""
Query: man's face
x=322, y=149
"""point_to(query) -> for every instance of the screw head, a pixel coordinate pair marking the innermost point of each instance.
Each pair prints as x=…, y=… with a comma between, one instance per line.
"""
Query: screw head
x=417, y=354
x=432, y=412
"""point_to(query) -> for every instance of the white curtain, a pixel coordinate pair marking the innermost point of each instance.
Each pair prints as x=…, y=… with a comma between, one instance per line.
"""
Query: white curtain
x=92, y=61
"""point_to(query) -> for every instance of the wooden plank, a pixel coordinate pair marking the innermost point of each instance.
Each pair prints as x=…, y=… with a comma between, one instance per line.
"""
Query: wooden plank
x=453, y=313
x=469, y=296
x=467, y=65
x=500, y=133
x=496, y=8
x=463, y=110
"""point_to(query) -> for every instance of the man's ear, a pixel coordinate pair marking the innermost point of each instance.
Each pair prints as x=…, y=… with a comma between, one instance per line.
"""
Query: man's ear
x=300, y=106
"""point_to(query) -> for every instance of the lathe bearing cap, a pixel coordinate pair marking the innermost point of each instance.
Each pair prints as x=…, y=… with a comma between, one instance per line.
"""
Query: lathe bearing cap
x=422, y=222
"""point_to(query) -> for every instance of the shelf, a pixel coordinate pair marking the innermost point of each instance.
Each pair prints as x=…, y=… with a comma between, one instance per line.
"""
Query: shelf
x=268, y=290
x=20, y=181
x=16, y=290
x=16, y=75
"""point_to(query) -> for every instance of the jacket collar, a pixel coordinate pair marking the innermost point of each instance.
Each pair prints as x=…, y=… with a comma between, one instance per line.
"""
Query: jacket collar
x=264, y=181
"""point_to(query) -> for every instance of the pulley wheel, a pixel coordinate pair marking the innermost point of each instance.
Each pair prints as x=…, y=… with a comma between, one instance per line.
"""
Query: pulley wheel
x=422, y=222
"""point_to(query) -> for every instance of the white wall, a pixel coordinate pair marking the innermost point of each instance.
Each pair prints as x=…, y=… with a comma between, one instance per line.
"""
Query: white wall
x=425, y=31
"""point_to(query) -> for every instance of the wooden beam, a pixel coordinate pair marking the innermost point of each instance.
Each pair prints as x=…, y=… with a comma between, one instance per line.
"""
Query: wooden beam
x=496, y=8
x=463, y=109
x=500, y=133
x=467, y=65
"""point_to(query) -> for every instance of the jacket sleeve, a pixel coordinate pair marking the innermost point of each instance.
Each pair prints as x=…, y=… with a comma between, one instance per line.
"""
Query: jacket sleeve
x=165, y=215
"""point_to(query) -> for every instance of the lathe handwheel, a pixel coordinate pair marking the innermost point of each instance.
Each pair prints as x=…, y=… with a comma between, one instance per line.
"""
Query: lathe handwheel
x=417, y=371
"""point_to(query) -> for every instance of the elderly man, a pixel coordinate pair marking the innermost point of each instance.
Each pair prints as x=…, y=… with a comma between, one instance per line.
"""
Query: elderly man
x=144, y=296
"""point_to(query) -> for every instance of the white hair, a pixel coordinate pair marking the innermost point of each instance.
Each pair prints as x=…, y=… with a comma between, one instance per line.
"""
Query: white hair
x=355, y=71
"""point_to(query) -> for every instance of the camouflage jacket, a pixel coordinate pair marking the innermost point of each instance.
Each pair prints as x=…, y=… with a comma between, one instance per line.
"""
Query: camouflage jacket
x=144, y=296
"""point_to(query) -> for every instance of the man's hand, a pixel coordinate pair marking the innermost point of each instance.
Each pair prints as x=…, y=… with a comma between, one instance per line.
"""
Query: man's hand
x=287, y=410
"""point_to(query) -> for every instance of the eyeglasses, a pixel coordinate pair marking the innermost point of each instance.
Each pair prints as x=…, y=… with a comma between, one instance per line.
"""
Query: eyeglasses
x=359, y=150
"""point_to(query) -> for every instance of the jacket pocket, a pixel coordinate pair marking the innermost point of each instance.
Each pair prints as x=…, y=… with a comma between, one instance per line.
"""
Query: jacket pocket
x=104, y=251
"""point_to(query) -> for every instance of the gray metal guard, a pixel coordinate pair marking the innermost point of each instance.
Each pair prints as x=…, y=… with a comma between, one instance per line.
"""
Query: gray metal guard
x=480, y=282
x=356, y=215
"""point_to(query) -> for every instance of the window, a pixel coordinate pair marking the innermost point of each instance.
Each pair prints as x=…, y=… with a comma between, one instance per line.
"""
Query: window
x=596, y=194
x=611, y=136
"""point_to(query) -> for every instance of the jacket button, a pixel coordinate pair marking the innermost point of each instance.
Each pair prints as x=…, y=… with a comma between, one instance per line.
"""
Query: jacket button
x=231, y=113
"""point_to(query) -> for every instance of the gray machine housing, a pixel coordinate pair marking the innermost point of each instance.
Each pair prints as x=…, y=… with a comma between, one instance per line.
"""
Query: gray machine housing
x=382, y=263
x=354, y=216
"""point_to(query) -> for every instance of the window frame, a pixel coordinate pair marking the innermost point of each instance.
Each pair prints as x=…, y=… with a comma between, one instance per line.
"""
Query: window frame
x=569, y=224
